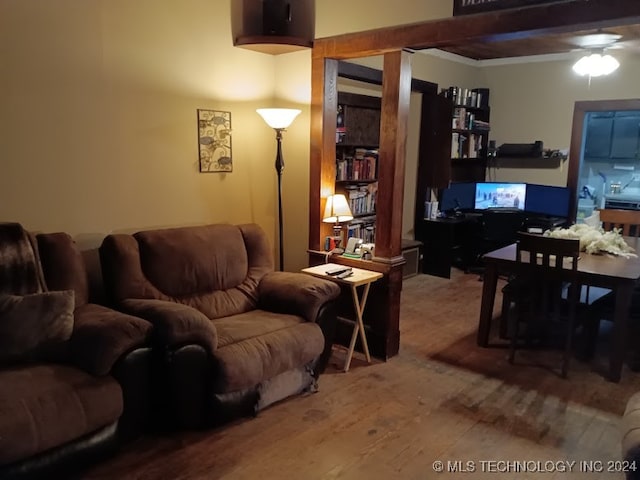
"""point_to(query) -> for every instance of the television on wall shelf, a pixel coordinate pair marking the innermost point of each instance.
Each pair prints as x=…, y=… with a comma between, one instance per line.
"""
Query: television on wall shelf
x=500, y=195
x=547, y=200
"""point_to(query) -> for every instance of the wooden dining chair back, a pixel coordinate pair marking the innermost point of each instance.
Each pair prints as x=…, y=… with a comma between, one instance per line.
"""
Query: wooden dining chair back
x=628, y=221
x=602, y=304
x=547, y=267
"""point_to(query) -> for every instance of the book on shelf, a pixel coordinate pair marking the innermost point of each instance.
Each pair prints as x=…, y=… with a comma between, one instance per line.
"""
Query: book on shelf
x=360, y=166
x=455, y=145
x=481, y=125
x=475, y=145
x=362, y=198
x=364, y=228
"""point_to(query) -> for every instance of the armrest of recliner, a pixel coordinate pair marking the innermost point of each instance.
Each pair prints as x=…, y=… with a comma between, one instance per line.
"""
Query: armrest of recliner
x=296, y=293
x=175, y=324
x=101, y=336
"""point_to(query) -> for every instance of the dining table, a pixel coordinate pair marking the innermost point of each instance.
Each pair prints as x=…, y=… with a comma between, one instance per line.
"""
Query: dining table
x=618, y=273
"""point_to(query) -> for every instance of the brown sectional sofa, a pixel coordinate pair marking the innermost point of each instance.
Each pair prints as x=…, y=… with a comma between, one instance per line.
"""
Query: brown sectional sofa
x=630, y=428
x=72, y=373
x=235, y=336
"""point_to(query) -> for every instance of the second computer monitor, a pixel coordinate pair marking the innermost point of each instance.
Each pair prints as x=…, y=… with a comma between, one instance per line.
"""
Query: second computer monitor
x=459, y=196
x=500, y=195
x=548, y=200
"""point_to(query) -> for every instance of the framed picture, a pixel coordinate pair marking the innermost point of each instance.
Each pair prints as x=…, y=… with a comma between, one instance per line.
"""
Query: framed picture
x=214, y=141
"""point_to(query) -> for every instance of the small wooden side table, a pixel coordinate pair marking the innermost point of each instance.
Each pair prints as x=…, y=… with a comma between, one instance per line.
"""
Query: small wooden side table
x=359, y=277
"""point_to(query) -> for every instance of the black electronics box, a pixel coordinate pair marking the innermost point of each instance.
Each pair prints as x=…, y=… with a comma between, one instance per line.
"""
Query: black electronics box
x=520, y=149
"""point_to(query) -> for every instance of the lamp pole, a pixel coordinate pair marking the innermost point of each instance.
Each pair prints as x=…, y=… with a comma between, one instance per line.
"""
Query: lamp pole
x=279, y=169
x=279, y=119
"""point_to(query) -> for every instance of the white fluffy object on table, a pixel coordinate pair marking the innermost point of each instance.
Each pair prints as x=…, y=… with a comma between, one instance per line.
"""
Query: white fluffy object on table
x=594, y=239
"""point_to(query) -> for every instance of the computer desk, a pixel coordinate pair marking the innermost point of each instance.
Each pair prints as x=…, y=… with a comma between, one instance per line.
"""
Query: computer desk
x=451, y=241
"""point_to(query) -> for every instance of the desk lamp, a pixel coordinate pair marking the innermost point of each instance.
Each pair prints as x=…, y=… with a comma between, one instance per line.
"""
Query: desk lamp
x=336, y=211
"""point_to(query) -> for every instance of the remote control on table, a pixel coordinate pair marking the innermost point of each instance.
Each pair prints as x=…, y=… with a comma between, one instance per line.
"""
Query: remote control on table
x=337, y=270
x=346, y=274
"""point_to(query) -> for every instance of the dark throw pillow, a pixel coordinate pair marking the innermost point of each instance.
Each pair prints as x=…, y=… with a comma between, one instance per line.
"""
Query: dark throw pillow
x=35, y=327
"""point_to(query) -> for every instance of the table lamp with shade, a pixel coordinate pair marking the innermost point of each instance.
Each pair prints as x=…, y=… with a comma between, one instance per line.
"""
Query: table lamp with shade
x=337, y=211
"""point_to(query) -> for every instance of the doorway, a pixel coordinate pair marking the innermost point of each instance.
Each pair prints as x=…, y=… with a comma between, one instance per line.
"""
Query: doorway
x=604, y=162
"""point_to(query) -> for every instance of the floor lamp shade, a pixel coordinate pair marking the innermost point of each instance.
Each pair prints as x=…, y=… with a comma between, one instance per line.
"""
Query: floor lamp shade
x=279, y=119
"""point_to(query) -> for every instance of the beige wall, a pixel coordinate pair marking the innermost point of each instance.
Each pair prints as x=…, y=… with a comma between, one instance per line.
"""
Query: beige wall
x=98, y=118
x=534, y=101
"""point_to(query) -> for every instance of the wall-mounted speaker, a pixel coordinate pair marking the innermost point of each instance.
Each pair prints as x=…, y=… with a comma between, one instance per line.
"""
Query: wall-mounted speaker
x=273, y=26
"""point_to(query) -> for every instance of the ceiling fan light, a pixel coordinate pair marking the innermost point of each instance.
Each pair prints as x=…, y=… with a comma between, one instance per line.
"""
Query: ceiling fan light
x=596, y=65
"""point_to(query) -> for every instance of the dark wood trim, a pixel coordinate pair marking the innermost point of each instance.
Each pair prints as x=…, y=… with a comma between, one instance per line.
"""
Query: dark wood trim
x=322, y=168
x=360, y=73
x=357, y=100
x=391, y=165
x=487, y=27
x=580, y=109
x=465, y=7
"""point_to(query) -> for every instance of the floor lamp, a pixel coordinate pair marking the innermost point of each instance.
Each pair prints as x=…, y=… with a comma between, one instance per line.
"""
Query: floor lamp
x=279, y=119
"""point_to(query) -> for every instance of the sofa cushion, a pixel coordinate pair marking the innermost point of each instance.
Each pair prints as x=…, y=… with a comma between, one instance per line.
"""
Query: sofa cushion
x=215, y=269
x=630, y=426
x=20, y=271
x=63, y=265
x=44, y=406
x=184, y=261
x=36, y=326
x=258, y=345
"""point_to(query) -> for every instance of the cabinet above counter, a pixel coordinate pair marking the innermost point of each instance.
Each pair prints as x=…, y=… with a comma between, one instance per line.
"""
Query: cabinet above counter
x=613, y=135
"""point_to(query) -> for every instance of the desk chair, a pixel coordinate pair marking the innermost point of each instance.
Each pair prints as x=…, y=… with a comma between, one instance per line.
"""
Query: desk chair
x=545, y=265
x=628, y=221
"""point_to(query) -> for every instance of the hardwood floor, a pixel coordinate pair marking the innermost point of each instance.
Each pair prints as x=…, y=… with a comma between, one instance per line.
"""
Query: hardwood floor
x=441, y=399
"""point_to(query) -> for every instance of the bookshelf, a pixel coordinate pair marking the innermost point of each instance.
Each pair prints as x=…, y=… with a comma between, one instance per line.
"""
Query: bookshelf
x=357, y=139
x=470, y=127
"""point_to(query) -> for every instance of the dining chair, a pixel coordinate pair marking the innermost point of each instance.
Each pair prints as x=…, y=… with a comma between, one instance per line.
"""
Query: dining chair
x=602, y=306
x=628, y=221
x=545, y=266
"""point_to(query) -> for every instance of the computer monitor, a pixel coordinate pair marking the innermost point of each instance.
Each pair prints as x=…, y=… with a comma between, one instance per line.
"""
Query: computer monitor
x=547, y=200
x=458, y=196
x=500, y=195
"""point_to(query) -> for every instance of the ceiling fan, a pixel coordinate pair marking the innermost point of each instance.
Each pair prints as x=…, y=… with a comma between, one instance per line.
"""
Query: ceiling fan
x=603, y=40
x=597, y=60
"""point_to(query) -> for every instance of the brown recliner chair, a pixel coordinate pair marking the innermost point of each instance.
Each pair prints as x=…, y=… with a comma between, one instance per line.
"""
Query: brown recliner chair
x=72, y=373
x=236, y=335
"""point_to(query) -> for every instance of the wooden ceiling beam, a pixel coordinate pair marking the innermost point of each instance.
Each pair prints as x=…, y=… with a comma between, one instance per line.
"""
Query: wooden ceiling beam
x=485, y=27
